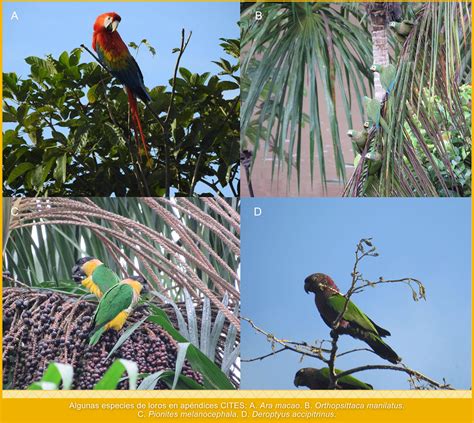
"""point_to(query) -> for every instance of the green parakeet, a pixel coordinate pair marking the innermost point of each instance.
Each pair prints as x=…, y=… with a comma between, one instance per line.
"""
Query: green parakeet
x=116, y=305
x=359, y=137
x=372, y=108
x=94, y=275
x=402, y=29
x=387, y=75
x=319, y=379
x=375, y=162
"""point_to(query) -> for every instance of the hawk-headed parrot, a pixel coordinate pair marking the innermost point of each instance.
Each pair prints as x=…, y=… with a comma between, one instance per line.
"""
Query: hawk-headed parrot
x=330, y=303
x=319, y=379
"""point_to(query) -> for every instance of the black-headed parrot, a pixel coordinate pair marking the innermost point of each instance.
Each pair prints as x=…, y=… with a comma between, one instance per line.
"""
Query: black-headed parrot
x=94, y=275
x=319, y=379
x=116, y=305
x=330, y=303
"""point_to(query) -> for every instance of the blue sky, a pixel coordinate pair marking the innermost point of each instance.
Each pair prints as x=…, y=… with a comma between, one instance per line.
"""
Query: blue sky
x=428, y=239
x=51, y=28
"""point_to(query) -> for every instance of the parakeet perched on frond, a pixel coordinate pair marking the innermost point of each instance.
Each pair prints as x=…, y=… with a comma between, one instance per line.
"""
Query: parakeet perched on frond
x=330, y=303
x=116, y=305
x=372, y=109
x=388, y=75
x=402, y=29
x=375, y=161
x=359, y=137
x=94, y=275
x=319, y=379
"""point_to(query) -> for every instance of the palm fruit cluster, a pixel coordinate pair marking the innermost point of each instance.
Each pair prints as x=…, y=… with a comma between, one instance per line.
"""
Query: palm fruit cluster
x=41, y=326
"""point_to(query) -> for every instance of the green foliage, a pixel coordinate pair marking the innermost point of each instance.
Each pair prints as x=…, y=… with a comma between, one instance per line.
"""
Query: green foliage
x=214, y=378
x=42, y=255
x=424, y=137
x=457, y=150
x=71, y=133
x=293, y=60
x=55, y=375
x=58, y=374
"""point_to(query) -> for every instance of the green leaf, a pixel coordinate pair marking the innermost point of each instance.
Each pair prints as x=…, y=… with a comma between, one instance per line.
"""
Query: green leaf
x=228, y=85
x=64, y=59
x=214, y=378
x=180, y=358
x=54, y=374
x=114, y=373
x=19, y=171
x=60, y=170
x=92, y=94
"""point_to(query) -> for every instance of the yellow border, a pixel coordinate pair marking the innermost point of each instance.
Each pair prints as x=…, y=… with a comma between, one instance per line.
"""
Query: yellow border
x=294, y=394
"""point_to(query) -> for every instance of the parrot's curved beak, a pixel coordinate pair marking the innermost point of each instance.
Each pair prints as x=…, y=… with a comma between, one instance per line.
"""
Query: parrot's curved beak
x=296, y=381
x=112, y=26
x=78, y=274
x=306, y=287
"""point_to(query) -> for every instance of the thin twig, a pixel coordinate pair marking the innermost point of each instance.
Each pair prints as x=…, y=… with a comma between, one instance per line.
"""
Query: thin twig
x=395, y=368
x=182, y=48
x=299, y=347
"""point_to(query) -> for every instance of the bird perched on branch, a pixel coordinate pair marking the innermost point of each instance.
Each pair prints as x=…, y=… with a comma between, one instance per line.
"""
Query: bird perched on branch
x=387, y=75
x=94, y=275
x=359, y=137
x=116, y=305
x=402, y=29
x=319, y=379
x=114, y=54
x=331, y=303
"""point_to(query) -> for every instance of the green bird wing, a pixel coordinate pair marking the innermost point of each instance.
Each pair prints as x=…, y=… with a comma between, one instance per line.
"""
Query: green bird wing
x=352, y=314
x=372, y=108
x=117, y=299
x=345, y=382
x=104, y=278
x=387, y=77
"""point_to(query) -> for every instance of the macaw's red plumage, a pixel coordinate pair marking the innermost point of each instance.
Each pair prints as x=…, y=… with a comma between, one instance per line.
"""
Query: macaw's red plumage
x=330, y=303
x=114, y=53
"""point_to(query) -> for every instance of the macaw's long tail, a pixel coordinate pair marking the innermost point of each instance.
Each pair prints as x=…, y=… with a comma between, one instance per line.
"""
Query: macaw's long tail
x=95, y=336
x=381, y=348
x=132, y=100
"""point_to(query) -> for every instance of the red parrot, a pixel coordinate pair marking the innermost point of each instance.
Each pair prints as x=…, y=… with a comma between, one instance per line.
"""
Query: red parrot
x=114, y=53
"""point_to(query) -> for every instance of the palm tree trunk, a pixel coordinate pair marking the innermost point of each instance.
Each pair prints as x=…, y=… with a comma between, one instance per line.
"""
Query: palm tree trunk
x=380, y=46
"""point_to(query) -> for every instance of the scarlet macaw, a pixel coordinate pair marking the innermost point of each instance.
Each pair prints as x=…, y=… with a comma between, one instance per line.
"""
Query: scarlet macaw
x=114, y=53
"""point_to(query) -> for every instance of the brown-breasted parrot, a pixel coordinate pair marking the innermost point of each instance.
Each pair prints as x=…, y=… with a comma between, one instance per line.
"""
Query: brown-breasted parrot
x=330, y=303
x=319, y=379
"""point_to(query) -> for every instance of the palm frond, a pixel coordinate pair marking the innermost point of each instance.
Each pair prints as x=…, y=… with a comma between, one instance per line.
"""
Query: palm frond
x=293, y=60
x=424, y=134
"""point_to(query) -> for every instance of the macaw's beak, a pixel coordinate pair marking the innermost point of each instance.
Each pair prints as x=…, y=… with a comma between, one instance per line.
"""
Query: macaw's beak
x=112, y=26
x=78, y=274
x=306, y=287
